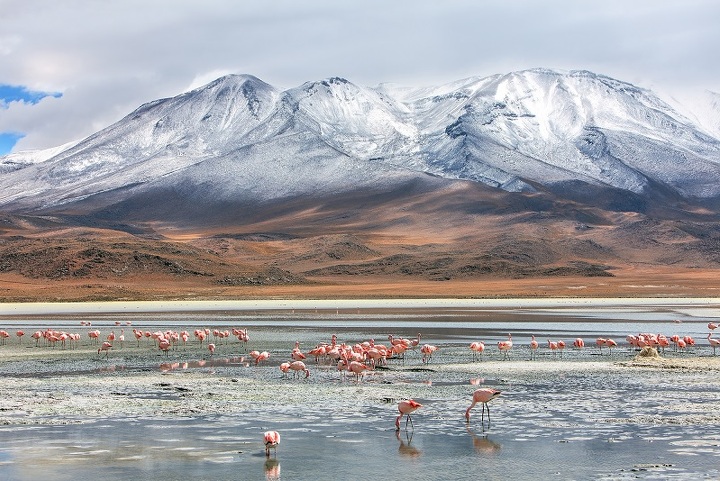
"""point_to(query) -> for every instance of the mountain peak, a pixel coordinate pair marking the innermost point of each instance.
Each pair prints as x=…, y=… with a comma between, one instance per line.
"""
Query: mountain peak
x=566, y=132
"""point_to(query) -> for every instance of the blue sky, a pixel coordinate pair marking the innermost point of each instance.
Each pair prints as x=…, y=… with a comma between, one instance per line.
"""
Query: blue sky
x=105, y=59
x=20, y=94
x=8, y=141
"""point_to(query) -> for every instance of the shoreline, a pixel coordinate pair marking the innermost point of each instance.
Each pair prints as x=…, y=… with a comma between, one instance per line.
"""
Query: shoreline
x=113, y=307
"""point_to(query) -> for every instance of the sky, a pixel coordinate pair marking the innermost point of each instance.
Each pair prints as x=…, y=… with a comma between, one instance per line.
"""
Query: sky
x=69, y=68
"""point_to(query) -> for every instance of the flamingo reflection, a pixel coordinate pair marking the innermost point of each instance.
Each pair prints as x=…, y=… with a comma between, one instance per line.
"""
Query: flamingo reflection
x=407, y=449
x=272, y=469
x=483, y=445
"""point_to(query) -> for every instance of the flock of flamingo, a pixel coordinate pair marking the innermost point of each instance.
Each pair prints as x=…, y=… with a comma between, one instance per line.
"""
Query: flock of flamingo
x=354, y=359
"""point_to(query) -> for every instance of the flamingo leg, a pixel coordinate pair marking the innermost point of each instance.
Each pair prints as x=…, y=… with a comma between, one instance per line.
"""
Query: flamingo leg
x=411, y=423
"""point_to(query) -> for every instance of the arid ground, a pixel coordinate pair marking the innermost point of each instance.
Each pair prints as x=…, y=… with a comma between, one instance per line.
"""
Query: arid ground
x=77, y=264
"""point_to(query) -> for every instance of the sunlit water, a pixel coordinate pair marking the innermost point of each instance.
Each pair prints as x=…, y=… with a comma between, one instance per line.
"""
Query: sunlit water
x=582, y=425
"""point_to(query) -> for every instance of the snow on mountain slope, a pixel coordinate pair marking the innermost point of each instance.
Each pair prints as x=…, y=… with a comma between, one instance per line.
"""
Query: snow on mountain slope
x=561, y=127
x=703, y=108
x=357, y=121
x=20, y=160
x=239, y=136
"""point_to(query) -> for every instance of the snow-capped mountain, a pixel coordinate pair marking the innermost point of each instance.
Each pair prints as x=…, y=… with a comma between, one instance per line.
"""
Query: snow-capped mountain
x=240, y=140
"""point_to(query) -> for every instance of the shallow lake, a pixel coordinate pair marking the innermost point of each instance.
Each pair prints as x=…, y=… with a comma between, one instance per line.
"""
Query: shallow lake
x=602, y=422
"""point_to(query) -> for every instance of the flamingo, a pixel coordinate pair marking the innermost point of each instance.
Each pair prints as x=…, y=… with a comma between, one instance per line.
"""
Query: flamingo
x=272, y=439
x=427, y=351
x=553, y=346
x=93, y=335
x=164, y=345
x=533, y=347
x=211, y=348
x=484, y=396
x=610, y=343
x=477, y=348
x=284, y=367
x=357, y=368
x=505, y=346
x=406, y=408
x=297, y=367
x=262, y=356
x=296, y=354
x=106, y=346
x=715, y=343
x=19, y=335
x=712, y=326
x=578, y=343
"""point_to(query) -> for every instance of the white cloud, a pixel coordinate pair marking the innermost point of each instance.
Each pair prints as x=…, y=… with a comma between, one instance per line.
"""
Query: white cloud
x=107, y=58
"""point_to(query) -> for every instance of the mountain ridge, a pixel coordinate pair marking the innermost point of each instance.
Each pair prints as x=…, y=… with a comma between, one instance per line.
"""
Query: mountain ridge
x=510, y=131
x=532, y=174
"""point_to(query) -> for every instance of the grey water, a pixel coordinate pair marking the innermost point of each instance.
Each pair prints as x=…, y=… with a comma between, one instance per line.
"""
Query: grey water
x=581, y=425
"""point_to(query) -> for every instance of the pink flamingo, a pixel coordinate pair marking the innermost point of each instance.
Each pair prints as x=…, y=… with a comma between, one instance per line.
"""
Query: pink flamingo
x=406, y=408
x=297, y=367
x=211, y=348
x=94, y=336
x=483, y=396
x=285, y=367
x=259, y=356
x=271, y=439
x=533, y=347
x=164, y=345
x=578, y=343
x=715, y=343
x=505, y=346
x=357, y=368
x=20, y=335
x=712, y=326
x=297, y=355
x=553, y=346
x=106, y=346
x=477, y=348
x=427, y=351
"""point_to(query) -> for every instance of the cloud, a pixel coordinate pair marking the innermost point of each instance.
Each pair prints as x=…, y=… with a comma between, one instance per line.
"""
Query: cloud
x=119, y=55
x=19, y=93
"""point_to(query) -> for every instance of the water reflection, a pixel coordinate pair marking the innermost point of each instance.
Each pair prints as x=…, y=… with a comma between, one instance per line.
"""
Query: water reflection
x=272, y=469
x=406, y=448
x=204, y=363
x=483, y=445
